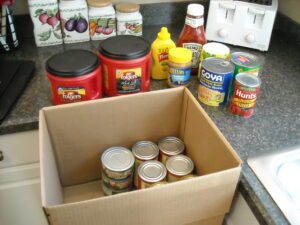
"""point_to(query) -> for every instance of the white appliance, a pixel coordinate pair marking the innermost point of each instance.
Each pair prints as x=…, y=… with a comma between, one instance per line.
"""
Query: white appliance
x=247, y=23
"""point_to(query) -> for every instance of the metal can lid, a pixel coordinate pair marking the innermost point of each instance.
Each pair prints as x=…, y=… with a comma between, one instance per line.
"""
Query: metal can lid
x=218, y=65
x=180, y=165
x=171, y=145
x=152, y=171
x=248, y=79
x=246, y=59
x=145, y=150
x=117, y=159
x=216, y=48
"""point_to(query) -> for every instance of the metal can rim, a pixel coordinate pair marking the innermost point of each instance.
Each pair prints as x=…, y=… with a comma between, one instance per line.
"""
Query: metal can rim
x=147, y=178
x=172, y=138
x=239, y=79
x=205, y=65
x=183, y=158
x=256, y=59
x=154, y=154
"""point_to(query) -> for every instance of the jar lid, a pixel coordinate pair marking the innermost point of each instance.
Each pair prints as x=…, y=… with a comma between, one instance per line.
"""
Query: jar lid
x=145, y=150
x=152, y=171
x=99, y=3
x=72, y=63
x=127, y=7
x=117, y=159
x=195, y=10
x=180, y=55
x=171, y=145
x=124, y=47
x=180, y=165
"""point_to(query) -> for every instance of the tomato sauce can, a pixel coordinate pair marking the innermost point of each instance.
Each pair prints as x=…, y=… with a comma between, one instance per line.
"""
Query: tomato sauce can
x=143, y=151
x=214, y=82
x=178, y=166
x=117, y=162
x=126, y=65
x=151, y=172
x=75, y=76
x=246, y=90
x=170, y=146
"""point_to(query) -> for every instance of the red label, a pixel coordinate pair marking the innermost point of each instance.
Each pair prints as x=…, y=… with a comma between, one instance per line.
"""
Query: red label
x=163, y=56
x=71, y=94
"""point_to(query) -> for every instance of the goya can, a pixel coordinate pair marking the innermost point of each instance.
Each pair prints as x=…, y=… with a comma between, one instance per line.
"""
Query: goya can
x=170, y=146
x=151, y=172
x=178, y=166
x=117, y=162
x=143, y=151
x=214, y=82
x=214, y=49
x=111, y=191
x=246, y=89
x=117, y=184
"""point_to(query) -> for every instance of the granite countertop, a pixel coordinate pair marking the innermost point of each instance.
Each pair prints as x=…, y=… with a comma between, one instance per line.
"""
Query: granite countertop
x=275, y=123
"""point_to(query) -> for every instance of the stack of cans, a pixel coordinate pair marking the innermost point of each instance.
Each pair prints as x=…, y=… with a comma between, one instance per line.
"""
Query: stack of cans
x=117, y=173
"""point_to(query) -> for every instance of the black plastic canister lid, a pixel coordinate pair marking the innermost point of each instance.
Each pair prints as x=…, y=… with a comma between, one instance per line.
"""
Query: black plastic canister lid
x=124, y=47
x=72, y=63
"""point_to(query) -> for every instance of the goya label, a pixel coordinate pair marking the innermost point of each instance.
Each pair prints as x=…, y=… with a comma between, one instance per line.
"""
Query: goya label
x=179, y=76
x=71, y=94
x=213, y=87
x=196, y=49
x=243, y=100
x=129, y=80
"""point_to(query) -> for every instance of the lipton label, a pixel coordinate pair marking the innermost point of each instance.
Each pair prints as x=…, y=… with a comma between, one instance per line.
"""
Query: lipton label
x=71, y=94
x=129, y=80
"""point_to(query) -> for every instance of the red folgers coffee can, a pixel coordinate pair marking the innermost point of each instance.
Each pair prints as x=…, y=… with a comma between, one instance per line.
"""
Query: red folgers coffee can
x=245, y=93
x=75, y=76
x=126, y=65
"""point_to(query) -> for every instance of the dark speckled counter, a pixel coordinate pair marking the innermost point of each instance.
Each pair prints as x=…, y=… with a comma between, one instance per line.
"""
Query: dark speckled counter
x=275, y=124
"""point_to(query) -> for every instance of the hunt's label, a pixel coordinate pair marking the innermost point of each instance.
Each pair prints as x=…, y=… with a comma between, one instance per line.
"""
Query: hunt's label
x=129, y=80
x=71, y=94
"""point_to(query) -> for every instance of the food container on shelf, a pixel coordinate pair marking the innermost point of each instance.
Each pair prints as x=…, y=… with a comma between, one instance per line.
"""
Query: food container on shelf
x=75, y=76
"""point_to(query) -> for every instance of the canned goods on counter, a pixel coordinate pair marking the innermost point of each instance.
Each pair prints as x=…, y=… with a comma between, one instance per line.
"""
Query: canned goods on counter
x=117, y=184
x=214, y=49
x=178, y=166
x=170, y=146
x=151, y=172
x=246, y=62
x=214, y=82
x=110, y=191
x=246, y=89
x=117, y=162
x=143, y=151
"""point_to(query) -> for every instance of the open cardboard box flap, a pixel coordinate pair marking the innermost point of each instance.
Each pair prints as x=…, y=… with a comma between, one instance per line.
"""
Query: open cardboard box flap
x=73, y=136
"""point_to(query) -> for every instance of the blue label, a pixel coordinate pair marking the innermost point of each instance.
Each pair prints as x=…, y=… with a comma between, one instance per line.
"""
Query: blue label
x=213, y=89
x=179, y=76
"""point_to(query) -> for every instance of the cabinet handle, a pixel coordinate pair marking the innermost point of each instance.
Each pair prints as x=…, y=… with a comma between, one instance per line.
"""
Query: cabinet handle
x=1, y=156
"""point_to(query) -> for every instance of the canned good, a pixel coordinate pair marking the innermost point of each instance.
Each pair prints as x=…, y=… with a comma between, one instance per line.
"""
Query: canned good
x=170, y=146
x=159, y=183
x=187, y=177
x=117, y=184
x=151, y=172
x=117, y=162
x=214, y=82
x=143, y=151
x=110, y=191
x=246, y=89
x=178, y=166
x=214, y=49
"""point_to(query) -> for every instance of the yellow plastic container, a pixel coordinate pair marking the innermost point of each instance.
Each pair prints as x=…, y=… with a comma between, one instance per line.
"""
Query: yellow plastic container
x=160, y=51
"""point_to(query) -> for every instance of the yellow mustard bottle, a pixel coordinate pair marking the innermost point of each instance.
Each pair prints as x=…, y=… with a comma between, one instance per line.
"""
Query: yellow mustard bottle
x=159, y=51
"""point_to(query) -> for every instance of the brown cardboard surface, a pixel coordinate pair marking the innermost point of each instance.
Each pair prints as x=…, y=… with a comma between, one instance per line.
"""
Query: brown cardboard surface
x=211, y=221
x=80, y=132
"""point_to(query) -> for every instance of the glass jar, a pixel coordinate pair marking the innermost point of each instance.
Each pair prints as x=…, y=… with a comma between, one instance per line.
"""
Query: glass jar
x=129, y=19
x=102, y=19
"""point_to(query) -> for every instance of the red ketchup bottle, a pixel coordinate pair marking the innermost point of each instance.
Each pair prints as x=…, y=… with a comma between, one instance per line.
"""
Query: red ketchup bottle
x=192, y=35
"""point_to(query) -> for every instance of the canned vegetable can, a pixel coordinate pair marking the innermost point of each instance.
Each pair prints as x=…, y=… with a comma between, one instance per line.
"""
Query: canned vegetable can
x=178, y=166
x=143, y=151
x=117, y=184
x=117, y=162
x=214, y=82
x=170, y=146
x=246, y=90
x=110, y=191
x=151, y=172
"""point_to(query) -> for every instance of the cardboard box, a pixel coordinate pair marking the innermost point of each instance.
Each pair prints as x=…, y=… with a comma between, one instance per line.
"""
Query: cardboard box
x=73, y=136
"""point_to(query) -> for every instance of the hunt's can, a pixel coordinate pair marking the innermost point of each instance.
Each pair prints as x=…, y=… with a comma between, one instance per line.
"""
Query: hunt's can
x=111, y=191
x=117, y=162
x=178, y=166
x=117, y=184
x=170, y=146
x=151, y=172
x=214, y=49
x=143, y=151
x=214, y=82
x=245, y=63
x=246, y=89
